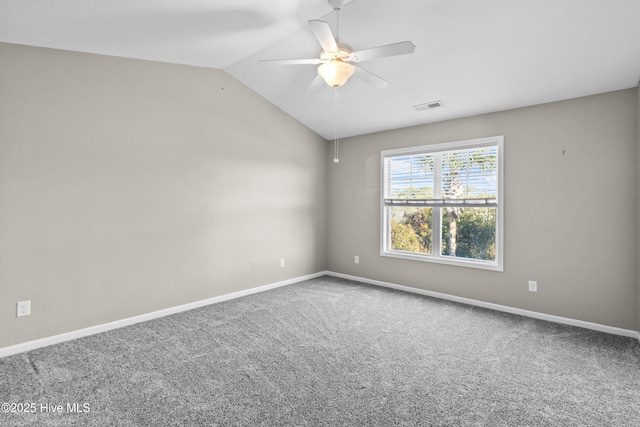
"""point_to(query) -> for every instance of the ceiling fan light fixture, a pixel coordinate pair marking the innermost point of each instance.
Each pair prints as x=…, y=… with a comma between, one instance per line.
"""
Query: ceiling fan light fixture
x=336, y=72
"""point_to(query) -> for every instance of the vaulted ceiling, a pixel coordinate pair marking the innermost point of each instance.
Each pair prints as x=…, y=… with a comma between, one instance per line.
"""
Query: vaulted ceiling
x=475, y=56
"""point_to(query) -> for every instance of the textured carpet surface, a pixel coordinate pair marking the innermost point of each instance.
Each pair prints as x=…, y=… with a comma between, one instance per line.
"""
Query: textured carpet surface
x=330, y=352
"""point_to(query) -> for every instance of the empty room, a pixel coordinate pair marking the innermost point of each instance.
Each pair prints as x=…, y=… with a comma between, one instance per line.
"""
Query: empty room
x=320, y=213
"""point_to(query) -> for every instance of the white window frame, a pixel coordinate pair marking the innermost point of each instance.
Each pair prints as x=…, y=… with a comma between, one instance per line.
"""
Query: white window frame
x=436, y=257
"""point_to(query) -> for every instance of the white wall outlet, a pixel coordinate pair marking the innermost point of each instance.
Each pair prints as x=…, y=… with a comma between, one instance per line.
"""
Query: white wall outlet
x=23, y=308
x=282, y=262
x=533, y=286
x=356, y=259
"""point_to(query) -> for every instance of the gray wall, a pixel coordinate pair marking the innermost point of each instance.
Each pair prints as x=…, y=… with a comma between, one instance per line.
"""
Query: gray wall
x=638, y=171
x=581, y=250
x=130, y=186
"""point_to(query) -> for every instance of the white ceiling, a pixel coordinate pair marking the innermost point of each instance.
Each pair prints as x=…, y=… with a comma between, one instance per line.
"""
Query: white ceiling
x=475, y=56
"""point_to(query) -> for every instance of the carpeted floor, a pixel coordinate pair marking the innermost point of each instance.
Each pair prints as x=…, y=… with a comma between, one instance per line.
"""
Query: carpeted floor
x=330, y=352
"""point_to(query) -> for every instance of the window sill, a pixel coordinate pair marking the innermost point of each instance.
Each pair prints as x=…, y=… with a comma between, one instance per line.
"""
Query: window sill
x=460, y=262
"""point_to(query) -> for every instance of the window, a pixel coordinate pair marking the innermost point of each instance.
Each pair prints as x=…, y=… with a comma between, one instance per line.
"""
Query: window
x=443, y=203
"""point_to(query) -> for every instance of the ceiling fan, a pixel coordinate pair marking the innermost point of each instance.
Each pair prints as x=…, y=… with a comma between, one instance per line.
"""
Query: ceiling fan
x=336, y=61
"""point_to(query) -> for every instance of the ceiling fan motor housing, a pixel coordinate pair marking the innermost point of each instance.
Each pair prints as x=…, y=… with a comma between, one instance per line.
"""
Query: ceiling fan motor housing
x=343, y=53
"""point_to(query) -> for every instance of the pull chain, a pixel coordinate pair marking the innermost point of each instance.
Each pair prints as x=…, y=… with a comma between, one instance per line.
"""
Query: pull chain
x=335, y=98
x=335, y=126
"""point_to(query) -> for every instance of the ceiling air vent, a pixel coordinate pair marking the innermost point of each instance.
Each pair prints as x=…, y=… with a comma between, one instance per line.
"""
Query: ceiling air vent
x=428, y=105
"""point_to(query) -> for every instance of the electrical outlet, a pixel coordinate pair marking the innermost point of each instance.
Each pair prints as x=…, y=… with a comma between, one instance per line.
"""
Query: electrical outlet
x=23, y=308
x=356, y=259
x=533, y=286
x=282, y=262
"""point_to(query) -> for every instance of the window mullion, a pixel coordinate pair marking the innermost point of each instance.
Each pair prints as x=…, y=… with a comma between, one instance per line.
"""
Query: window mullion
x=436, y=213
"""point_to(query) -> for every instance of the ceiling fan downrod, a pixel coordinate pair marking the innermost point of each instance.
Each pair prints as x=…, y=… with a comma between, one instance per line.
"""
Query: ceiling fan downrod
x=337, y=9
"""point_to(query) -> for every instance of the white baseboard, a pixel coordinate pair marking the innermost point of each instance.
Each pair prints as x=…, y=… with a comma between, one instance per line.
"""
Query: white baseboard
x=542, y=316
x=43, y=342
x=68, y=336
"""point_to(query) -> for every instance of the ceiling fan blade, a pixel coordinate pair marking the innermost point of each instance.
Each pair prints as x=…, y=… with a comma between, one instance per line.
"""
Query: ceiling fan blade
x=400, y=48
x=312, y=61
x=317, y=83
x=370, y=78
x=323, y=33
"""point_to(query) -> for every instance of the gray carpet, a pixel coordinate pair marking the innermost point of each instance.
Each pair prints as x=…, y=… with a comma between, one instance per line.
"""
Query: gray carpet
x=330, y=352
